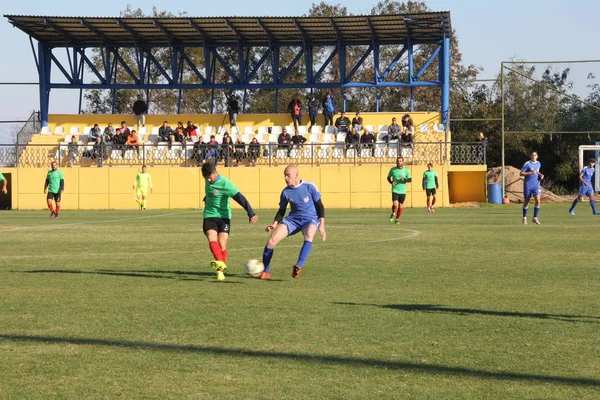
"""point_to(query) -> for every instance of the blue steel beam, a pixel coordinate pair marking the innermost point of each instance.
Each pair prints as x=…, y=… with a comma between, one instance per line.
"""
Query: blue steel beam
x=192, y=66
x=95, y=31
x=446, y=80
x=224, y=64
x=389, y=69
x=287, y=71
x=358, y=64
x=325, y=64
x=61, y=68
x=119, y=60
x=302, y=85
x=150, y=58
x=44, y=70
x=428, y=63
x=91, y=66
x=259, y=64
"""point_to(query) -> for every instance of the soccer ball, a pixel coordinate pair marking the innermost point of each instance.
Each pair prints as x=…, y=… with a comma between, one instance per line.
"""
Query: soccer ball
x=254, y=267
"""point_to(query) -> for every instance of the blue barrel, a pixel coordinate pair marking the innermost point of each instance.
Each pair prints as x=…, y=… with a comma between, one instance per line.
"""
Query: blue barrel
x=494, y=193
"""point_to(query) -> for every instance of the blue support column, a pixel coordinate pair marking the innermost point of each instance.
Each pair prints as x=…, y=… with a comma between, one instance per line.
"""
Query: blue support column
x=376, y=73
x=445, y=80
x=410, y=76
x=44, y=77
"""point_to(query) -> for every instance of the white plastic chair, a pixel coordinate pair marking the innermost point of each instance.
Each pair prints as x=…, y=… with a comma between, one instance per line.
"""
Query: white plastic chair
x=330, y=129
x=210, y=130
x=303, y=130
x=262, y=130
x=260, y=136
x=316, y=129
x=247, y=138
x=313, y=138
x=290, y=129
x=370, y=128
x=439, y=128
x=276, y=130
x=74, y=130
x=341, y=137
x=84, y=138
x=60, y=130
x=424, y=128
x=249, y=130
x=46, y=130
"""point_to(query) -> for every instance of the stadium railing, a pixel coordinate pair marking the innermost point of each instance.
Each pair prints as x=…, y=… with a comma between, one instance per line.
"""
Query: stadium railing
x=335, y=153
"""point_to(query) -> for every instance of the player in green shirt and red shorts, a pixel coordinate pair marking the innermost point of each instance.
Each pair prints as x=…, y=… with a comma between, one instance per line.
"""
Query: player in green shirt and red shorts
x=430, y=184
x=217, y=214
x=398, y=177
x=55, y=184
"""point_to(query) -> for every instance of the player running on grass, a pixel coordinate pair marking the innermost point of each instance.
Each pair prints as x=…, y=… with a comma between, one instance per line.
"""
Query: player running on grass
x=217, y=214
x=141, y=184
x=532, y=187
x=430, y=184
x=55, y=184
x=398, y=177
x=307, y=215
x=586, y=188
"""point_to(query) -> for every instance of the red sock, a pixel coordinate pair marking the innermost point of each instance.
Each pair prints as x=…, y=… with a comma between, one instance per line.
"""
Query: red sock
x=433, y=202
x=428, y=204
x=51, y=207
x=58, y=208
x=224, y=252
x=216, y=250
x=393, y=209
x=399, y=212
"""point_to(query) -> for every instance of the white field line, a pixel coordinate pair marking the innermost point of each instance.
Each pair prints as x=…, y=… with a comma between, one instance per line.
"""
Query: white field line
x=57, y=226
x=410, y=234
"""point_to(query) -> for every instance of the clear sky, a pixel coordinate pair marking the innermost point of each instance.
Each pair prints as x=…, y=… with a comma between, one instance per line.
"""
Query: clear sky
x=489, y=31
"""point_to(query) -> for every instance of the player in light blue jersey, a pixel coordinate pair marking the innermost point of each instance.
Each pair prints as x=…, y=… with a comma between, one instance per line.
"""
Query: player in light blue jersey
x=531, y=186
x=307, y=215
x=586, y=188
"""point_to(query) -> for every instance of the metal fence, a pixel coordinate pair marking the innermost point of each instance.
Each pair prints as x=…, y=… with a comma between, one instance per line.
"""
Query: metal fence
x=85, y=155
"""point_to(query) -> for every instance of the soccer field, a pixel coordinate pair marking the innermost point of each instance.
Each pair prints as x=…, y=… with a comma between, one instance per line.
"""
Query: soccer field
x=460, y=304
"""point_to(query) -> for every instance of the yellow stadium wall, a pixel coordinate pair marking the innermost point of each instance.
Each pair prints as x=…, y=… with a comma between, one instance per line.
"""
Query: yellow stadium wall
x=175, y=188
x=467, y=184
x=282, y=119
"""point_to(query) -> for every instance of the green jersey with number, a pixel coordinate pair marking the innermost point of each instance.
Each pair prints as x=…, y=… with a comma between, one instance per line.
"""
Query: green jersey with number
x=396, y=174
x=217, y=198
x=54, y=177
x=429, y=179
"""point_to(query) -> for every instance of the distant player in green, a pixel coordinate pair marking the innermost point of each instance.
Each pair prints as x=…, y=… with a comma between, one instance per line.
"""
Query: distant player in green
x=217, y=214
x=430, y=184
x=398, y=177
x=55, y=184
x=141, y=184
x=3, y=179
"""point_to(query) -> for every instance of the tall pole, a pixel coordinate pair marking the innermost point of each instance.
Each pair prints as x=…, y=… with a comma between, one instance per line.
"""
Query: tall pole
x=446, y=81
x=502, y=133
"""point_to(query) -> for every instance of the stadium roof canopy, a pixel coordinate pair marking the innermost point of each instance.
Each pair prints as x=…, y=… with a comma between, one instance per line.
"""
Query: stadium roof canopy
x=253, y=31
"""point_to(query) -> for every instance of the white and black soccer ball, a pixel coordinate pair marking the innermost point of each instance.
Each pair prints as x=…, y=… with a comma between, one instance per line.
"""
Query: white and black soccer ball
x=254, y=267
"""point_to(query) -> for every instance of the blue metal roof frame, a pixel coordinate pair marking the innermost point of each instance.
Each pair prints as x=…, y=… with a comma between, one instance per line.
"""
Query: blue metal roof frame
x=255, y=31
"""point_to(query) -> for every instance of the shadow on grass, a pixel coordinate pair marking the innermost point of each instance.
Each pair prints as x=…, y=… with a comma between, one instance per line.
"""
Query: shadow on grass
x=434, y=308
x=178, y=275
x=312, y=359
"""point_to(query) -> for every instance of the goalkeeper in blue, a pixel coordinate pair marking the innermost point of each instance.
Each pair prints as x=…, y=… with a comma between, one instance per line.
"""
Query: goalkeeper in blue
x=586, y=188
x=531, y=187
x=307, y=216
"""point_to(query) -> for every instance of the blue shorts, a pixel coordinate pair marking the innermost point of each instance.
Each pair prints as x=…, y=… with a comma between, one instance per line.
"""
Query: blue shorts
x=528, y=192
x=295, y=225
x=586, y=190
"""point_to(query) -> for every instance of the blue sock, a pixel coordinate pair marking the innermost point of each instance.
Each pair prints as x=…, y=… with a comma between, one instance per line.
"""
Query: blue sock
x=574, y=204
x=304, y=252
x=267, y=255
x=593, y=204
x=524, y=212
x=536, y=210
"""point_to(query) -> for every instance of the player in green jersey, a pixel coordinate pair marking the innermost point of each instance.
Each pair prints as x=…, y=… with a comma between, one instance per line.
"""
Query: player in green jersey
x=55, y=184
x=3, y=179
x=217, y=214
x=430, y=184
x=398, y=177
x=141, y=184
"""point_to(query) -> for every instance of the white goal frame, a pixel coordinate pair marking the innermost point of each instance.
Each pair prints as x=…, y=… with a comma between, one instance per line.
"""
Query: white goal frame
x=582, y=162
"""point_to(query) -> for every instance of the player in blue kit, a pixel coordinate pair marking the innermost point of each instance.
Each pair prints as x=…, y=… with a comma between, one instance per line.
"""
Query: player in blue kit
x=585, y=186
x=532, y=187
x=307, y=215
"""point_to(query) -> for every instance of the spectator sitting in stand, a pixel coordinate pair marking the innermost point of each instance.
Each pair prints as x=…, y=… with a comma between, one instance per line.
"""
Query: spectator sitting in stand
x=133, y=142
x=342, y=123
x=253, y=151
x=212, y=152
x=352, y=140
x=407, y=124
x=297, y=140
x=73, y=148
x=225, y=136
x=367, y=139
x=109, y=133
x=199, y=151
x=357, y=122
x=406, y=139
x=284, y=141
x=95, y=132
x=119, y=140
x=227, y=150
x=124, y=129
x=164, y=133
x=180, y=134
x=481, y=139
x=393, y=131
x=240, y=150
x=99, y=151
x=295, y=108
x=192, y=131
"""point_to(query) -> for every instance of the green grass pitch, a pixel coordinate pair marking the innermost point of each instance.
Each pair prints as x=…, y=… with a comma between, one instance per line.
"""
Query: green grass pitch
x=460, y=304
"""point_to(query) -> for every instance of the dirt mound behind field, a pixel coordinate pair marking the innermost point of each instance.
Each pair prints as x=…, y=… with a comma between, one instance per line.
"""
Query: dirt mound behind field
x=514, y=185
